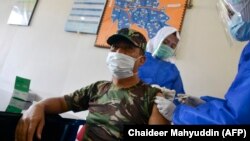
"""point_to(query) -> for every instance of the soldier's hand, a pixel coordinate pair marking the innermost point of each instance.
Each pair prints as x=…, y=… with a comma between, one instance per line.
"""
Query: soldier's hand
x=32, y=120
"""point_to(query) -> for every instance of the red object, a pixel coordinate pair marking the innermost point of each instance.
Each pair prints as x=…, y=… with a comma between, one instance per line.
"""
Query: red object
x=81, y=133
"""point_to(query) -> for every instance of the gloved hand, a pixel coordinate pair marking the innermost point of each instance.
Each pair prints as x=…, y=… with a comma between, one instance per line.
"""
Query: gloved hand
x=165, y=107
x=190, y=100
x=168, y=94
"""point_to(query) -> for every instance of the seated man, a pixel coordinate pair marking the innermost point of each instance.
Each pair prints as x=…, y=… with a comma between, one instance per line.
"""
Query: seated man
x=159, y=67
x=111, y=104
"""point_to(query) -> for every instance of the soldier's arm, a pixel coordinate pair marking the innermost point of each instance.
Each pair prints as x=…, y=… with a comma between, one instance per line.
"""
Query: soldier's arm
x=33, y=119
x=156, y=118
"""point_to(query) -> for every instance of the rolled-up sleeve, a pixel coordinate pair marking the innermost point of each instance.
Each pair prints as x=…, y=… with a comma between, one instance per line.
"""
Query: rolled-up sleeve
x=78, y=100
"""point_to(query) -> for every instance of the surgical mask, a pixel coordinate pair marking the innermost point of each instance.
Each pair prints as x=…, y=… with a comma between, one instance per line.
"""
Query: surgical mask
x=239, y=29
x=120, y=65
x=163, y=52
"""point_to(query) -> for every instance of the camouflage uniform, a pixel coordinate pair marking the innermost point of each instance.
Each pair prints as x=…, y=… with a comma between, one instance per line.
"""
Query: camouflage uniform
x=111, y=107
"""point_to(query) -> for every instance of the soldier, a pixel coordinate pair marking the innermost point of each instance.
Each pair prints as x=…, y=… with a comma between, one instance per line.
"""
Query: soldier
x=111, y=104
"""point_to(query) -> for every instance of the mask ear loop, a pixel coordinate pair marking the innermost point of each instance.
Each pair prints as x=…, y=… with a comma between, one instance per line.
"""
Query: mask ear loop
x=174, y=54
x=139, y=57
x=136, y=73
x=175, y=50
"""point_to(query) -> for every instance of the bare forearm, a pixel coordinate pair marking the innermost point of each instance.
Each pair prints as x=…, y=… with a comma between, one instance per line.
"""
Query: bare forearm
x=54, y=105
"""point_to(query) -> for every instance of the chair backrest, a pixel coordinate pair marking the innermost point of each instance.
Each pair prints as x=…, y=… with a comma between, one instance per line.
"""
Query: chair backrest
x=56, y=128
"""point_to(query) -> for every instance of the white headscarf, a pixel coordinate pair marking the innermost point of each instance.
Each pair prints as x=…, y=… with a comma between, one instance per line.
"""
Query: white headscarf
x=156, y=41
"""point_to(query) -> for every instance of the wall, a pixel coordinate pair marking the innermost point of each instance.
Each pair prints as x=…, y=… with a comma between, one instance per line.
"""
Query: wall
x=59, y=62
x=56, y=61
x=206, y=59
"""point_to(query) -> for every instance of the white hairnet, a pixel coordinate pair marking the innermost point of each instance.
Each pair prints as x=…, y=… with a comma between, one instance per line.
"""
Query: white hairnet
x=160, y=36
x=242, y=7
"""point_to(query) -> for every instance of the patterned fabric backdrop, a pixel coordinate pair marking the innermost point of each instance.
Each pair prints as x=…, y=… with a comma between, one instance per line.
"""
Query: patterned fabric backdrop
x=146, y=16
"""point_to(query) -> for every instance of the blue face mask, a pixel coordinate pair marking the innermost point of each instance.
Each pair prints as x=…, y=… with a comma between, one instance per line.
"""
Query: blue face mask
x=163, y=52
x=239, y=29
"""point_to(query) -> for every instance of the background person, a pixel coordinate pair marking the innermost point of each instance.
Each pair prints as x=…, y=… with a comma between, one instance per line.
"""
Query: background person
x=235, y=108
x=160, y=67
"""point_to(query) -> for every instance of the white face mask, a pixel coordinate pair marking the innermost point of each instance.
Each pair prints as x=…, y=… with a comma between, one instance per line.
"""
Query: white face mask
x=120, y=65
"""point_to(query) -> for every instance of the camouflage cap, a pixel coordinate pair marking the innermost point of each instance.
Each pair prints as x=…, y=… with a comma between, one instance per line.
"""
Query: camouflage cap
x=130, y=35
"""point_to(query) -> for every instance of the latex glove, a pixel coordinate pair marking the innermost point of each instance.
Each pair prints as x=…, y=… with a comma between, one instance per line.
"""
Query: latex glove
x=168, y=94
x=165, y=107
x=190, y=100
